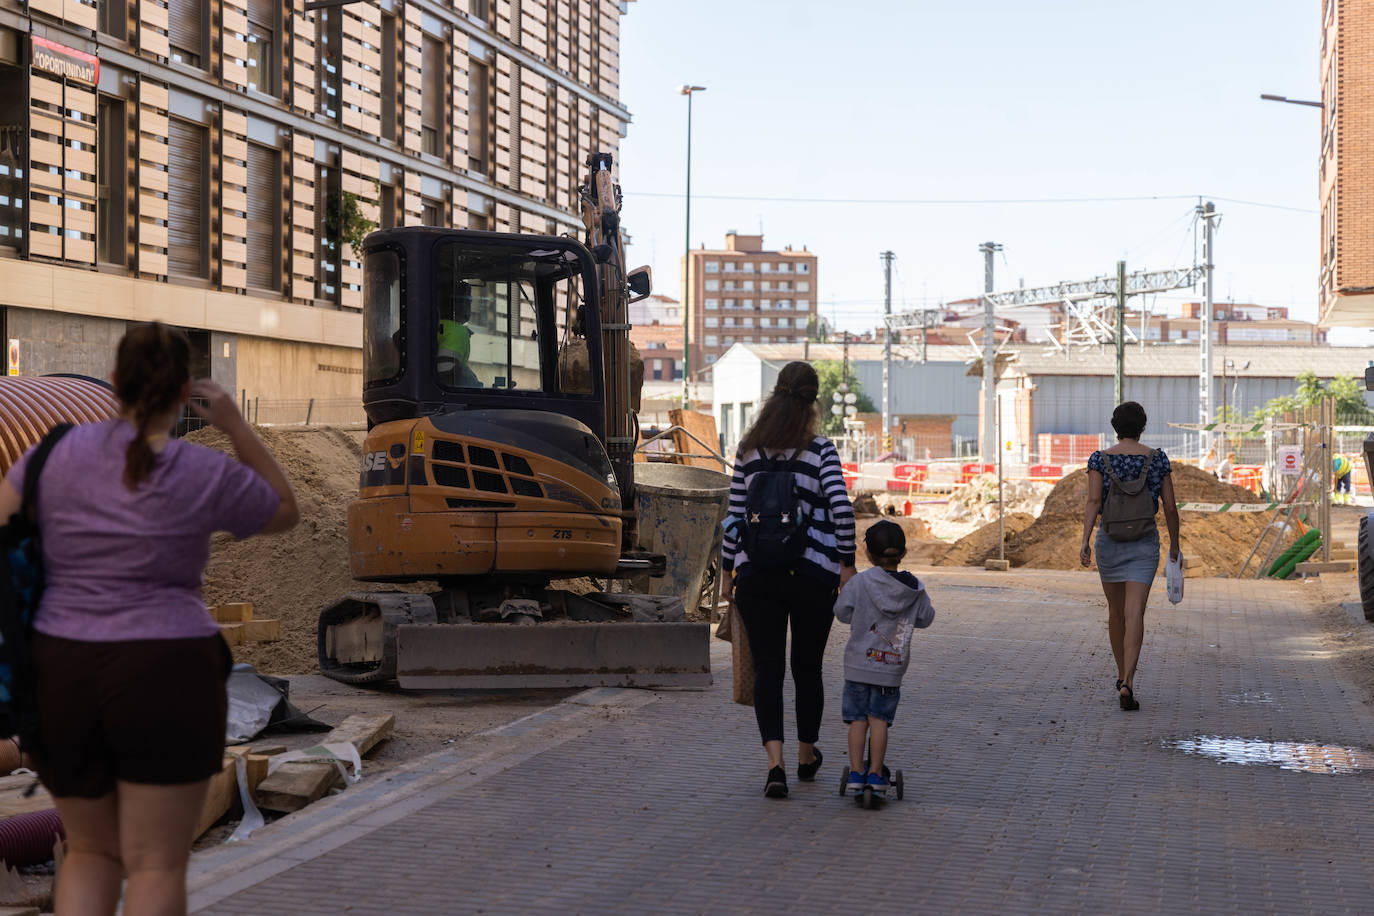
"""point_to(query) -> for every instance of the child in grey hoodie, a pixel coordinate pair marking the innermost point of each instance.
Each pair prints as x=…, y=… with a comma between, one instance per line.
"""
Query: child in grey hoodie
x=882, y=606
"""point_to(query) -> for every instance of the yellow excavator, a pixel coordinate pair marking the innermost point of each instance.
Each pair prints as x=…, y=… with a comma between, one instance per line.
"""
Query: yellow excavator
x=500, y=395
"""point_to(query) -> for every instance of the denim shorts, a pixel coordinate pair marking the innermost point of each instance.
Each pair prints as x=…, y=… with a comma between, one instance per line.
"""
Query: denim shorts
x=864, y=700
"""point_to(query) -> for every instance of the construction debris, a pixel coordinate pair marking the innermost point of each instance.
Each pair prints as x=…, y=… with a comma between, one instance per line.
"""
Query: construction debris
x=238, y=625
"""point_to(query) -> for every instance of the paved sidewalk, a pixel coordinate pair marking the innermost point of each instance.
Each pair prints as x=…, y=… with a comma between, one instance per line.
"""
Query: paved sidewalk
x=1028, y=790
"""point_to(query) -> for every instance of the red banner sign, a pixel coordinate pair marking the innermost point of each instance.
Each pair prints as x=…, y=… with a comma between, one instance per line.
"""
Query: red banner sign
x=65, y=62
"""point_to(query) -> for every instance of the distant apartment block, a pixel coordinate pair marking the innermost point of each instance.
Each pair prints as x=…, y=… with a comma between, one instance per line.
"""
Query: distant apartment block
x=1346, y=281
x=747, y=294
x=657, y=333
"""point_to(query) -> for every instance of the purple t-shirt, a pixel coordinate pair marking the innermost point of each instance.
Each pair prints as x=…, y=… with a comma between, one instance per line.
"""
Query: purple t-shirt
x=124, y=564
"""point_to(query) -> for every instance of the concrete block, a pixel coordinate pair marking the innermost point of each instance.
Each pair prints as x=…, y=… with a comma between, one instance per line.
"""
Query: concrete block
x=1313, y=568
x=999, y=565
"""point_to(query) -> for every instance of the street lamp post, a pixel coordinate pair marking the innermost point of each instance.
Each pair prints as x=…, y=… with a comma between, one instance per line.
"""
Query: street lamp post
x=687, y=251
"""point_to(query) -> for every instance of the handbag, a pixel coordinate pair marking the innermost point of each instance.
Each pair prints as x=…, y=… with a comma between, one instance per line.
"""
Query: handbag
x=21, y=590
x=741, y=660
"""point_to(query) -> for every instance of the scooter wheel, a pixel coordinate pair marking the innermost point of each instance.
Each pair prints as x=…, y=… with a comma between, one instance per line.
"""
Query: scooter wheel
x=844, y=781
x=898, y=782
x=867, y=798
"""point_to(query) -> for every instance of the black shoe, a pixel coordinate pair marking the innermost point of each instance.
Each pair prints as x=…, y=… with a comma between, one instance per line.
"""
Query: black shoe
x=1128, y=700
x=776, y=786
x=806, y=772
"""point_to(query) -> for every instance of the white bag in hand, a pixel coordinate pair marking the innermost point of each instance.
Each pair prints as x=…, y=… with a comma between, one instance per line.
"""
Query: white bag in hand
x=1173, y=576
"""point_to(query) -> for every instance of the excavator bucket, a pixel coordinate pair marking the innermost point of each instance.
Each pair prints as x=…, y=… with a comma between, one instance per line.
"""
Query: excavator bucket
x=614, y=640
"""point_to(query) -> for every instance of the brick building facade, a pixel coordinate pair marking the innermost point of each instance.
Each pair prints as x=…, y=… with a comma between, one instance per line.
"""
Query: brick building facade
x=192, y=160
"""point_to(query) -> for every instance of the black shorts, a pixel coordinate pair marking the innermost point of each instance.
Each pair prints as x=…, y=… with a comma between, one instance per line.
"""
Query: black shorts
x=149, y=711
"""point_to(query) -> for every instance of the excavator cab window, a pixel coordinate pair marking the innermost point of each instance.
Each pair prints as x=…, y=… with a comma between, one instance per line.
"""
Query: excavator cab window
x=383, y=335
x=488, y=300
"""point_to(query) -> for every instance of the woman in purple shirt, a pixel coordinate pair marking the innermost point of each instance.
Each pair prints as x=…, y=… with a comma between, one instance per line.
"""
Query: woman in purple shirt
x=130, y=666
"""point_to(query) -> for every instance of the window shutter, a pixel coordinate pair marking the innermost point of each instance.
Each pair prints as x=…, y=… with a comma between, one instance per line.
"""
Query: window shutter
x=431, y=103
x=263, y=12
x=185, y=25
x=186, y=199
x=264, y=249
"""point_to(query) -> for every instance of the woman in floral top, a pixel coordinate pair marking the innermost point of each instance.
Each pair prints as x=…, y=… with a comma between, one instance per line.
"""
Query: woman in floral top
x=1127, y=568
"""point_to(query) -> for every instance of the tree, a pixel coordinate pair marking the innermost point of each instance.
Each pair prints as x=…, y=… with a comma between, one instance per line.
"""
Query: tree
x=1347, y=391
x=831, y=373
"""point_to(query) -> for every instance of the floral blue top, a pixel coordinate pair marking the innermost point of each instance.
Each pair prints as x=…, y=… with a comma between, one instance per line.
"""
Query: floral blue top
x=1128, y=467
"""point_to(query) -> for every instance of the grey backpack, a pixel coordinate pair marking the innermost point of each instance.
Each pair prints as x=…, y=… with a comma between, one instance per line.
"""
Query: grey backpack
x=1128, y=511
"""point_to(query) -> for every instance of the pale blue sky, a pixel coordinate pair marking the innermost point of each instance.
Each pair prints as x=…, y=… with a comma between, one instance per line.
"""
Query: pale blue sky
x=978, y=101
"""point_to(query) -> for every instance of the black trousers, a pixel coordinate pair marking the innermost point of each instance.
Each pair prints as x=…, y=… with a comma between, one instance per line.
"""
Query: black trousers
x=767, y=602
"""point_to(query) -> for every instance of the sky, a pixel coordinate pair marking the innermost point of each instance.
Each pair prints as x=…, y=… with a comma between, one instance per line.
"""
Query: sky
x=929, y=127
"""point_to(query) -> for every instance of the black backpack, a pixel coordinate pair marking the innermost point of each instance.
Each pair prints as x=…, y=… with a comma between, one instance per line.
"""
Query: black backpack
x=21, y=588
x=774, y=518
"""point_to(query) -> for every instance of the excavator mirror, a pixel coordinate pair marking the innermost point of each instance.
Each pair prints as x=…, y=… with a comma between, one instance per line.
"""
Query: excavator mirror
x=641, y=283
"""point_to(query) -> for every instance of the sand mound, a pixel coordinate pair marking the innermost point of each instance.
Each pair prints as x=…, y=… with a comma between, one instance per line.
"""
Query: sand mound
x=977, y=502
x=291, y=576
x=979, y=545
x=1215, y=543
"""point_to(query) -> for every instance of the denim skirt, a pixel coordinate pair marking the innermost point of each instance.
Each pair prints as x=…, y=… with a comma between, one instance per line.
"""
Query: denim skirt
x=1127, y=561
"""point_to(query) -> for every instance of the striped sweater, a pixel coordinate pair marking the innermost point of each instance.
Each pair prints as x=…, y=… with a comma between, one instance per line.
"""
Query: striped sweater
x=819, y=481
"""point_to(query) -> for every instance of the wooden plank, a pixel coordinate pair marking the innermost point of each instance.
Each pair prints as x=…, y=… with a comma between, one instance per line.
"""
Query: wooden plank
x=296, y=784
x=701, y=425
x=237, y=612
x=261, y=630
x=224, y=792
x=255, y=765
x=232, y=633
x=363, y=732
x=13, y=800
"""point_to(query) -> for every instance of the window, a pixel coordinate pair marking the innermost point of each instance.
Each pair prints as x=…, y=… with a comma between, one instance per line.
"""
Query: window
x=383, y=342
x=186, y=31
x=784, y=267
x=326, y=247
x=710, y=340
x=747, y=338
x=13, y=166
x=712, y=321
x=727, y=421
x=748, y=267
x=712, y=285
x=186, y=204
x=432, y=98
x=478, y=118
x=713, y=303
x=710, y=358
x=728, y=322
x=746, y=322
x=765, y=322
x=764, y=339
x=729, y=303
x=712, y=267
x=783, y=285
x=765, y=285
x=783, y=304
x=803, y=267
x=803, y=286
x=431, y=212
x=390, y=88
x=262, y=58
x=727, y=340
x=748, y=284
x=328, y=52
x=766, y=267
x=114, y=15
x=388, y=206
x=677, y=369
x=111, y=206
x=746, y=303
x=802, y=305
x=731, y=267
x=784, y=322
x=264, y=218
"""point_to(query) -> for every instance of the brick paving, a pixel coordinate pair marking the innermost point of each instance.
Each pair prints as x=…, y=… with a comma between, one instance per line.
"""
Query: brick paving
x=1028, y=790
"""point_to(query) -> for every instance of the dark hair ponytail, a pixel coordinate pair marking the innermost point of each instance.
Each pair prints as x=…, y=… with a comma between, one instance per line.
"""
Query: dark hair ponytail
x=152, y=366
x=788, y=419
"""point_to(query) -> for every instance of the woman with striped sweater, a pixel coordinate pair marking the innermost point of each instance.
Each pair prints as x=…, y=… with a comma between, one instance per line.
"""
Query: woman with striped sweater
x=801, y=593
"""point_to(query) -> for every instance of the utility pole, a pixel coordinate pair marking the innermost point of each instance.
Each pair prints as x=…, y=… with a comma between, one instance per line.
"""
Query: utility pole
x=687, y=257
x=1206, y=407
x=1120, y=331
x=989, y=443
x=887, y=257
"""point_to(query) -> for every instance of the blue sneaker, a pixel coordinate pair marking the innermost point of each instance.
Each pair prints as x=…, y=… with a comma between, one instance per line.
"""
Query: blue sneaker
x=856, y=781
x=877, y=782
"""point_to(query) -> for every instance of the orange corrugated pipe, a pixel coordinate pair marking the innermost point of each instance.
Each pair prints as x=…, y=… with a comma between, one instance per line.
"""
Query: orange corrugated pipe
x=30, y=406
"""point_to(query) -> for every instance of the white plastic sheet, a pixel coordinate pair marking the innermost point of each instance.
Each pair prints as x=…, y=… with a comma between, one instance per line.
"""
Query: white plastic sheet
x=1173, y=577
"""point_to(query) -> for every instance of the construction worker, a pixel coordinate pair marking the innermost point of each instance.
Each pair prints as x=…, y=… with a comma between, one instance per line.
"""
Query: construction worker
x=1341, y=468
x=455, y=348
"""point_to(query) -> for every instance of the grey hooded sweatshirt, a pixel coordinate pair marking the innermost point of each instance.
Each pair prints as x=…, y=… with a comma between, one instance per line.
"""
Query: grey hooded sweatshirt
x=882, y=612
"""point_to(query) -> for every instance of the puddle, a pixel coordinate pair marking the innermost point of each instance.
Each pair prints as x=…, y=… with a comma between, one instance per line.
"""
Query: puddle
x=1326, y=759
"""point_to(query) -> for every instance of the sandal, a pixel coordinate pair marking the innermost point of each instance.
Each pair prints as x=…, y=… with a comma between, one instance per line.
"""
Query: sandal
x=1128, y=700
x=806, y=772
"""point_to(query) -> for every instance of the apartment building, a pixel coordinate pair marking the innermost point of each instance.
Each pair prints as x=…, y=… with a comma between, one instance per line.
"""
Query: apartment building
x=1234, y=323
x=1346, y=281
x=204, y=162
x=656, y=333
x=744, y=293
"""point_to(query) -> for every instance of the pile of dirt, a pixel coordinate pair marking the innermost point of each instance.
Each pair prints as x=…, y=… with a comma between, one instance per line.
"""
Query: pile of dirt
x=977, y=502
x=979, y=545
x=1216, y=544
x=922, y=547
x=291, y=576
